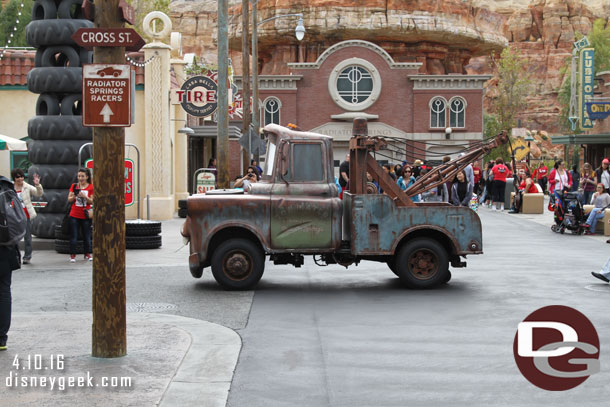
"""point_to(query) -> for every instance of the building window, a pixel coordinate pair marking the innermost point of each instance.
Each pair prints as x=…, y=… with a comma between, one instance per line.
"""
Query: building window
x=457, y=112
x=355, y=84
x=272, y=111
x=437, y=112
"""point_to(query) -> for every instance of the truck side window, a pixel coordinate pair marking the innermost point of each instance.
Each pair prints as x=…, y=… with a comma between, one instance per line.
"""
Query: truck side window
x=307, y=162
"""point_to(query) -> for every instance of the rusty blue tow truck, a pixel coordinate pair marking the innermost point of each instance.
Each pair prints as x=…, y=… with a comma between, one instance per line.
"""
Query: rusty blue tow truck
x=295, y=210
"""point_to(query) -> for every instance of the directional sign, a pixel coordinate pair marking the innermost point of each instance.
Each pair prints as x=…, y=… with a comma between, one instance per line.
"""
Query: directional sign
x=109, y=37
x=106, y=95
x=128, y=179
x=520, y=148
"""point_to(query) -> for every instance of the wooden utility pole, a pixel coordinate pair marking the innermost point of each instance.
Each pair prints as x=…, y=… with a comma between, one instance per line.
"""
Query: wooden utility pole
x=245, y=76
x=109, y=331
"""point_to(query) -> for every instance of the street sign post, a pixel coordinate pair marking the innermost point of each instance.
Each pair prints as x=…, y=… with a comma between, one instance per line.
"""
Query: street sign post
x=106, y=95
x=109, y=37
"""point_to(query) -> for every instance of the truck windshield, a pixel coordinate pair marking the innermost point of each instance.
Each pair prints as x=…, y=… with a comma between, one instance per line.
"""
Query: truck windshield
x=270, y=158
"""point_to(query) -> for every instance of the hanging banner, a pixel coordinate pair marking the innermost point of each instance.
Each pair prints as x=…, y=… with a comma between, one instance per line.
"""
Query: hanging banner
x=598, y=110
x=587, y=83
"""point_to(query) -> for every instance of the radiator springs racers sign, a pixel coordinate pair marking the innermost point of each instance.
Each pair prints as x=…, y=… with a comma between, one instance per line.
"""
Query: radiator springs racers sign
x=106, y=95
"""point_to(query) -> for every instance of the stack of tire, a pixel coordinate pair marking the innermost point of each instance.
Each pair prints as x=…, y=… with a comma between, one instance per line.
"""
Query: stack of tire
x=182, y=213
x=56, y=133
x=139, y=234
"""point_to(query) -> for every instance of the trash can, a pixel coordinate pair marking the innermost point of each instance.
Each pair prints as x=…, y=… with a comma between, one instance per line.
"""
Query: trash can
x=507, y=190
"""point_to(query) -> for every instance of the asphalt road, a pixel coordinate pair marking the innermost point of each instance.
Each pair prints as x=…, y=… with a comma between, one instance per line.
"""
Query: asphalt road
x=335, y=337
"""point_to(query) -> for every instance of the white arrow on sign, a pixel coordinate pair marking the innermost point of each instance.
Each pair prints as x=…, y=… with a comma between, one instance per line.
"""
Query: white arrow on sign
x=106, y=112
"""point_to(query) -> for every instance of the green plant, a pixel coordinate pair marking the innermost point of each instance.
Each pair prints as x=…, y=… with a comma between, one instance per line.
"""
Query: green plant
x=491, y=128
x=202, y=68
x=8, y=18
x=143, y=7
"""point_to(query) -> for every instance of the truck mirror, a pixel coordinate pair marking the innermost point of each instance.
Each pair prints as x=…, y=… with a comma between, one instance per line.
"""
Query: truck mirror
x=284, y=159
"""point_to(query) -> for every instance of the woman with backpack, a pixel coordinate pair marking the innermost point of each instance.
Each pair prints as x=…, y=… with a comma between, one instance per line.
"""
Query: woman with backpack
x=25, y=192
x=81, y=198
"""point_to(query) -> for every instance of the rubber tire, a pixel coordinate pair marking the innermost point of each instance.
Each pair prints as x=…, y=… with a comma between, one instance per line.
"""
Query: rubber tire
x=66, y=11
x=55, y=176
x=55, y=80
x=392, y=265
x=42, y=33
x=62, y=56
x=63, y=246
x=142, y=242
x=57, y=152
x=61, y=236
x=56, y=199
x=403, y=269
x=72, y=105
x=142, y=228
x=47, y=104
x=182, y=203
x=182, y=213
x=248, y=248
x=58, y=128
x=43, y=225
x=448, y=278
x=44, y=10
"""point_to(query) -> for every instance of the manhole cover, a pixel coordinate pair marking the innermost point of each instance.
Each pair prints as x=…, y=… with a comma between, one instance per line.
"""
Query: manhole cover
x=149, y=307
x=602, y=288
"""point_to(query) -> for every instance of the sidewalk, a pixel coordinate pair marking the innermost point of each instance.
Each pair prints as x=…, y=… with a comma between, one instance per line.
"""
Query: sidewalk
x=171, y=360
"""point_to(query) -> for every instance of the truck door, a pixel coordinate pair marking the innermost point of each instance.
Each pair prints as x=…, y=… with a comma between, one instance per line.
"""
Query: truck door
x=303, y=200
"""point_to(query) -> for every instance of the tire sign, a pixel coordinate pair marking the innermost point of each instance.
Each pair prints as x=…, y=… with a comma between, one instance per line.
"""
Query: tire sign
x=198, y=96
x=128, y=179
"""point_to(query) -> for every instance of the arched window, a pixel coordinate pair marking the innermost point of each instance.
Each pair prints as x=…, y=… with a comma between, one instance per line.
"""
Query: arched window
x=272, y=111
x=437, y=112
x=457, y=112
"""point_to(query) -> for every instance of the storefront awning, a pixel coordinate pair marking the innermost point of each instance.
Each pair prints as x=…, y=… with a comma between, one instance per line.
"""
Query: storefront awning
x=212, y=131
x=582, y=139
x=13, y=144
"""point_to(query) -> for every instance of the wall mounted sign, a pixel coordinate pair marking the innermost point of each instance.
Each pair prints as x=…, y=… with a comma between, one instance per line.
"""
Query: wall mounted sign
x=198, y=96
x=587, y=83
x=598, y=110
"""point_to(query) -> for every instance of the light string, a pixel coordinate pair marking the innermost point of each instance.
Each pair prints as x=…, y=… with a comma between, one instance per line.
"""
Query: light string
x=140, y=64
x=12, y=34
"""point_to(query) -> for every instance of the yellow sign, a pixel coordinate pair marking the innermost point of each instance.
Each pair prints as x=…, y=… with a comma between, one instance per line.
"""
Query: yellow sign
x=520, y=148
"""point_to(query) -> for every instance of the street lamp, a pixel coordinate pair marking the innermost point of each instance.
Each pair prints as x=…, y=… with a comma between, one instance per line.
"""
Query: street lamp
x=299, y=33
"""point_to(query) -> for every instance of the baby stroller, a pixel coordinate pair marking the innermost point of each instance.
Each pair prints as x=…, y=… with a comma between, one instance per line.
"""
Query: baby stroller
x=568, y=213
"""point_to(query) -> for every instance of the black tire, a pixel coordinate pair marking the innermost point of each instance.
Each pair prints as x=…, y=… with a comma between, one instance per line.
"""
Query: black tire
x=56, y=200
x=142, y=242
x=246, y=261
x=392, y=265
x=422, y=263
x=55, y=80
x=55, y=176
x=63, y=246
x=86, y=56
x=448, y=278
x=44, y=10
x=72, y=105
x=42, y=33
x=58, y=128
x=70, y=9
x=62, y=236
x=182, y=213
x=57, y=152
x=182, y=203
x=47, y=105
x=60, y=56
x=142, y=228
x=43, y=225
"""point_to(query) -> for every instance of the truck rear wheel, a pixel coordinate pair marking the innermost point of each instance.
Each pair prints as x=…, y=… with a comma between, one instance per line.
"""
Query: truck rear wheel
x=422, y=263
x=238, y=264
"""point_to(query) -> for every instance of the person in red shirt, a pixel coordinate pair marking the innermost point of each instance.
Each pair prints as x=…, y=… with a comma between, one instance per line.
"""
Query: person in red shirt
x=81, y=197
x=500, y=172
x=527, y=186
x=477, y=177
x=541, y=175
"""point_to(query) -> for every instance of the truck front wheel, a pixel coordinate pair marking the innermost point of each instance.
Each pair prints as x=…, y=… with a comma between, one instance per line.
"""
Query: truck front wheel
x=238, y=264
x=422, y=263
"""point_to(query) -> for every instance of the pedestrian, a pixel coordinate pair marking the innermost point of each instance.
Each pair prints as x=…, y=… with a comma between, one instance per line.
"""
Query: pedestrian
x=541, y=175
x=603, y=174
x=344, y=175
x=81, y=198
x=10, y=259
x=247, y=180
x=601, y=200
x=254, y=164
x=406, y=179
x=388, y=170
x=212, y=165
x=588, y=183
x=604, y=275
x=461, y=190
x=416, y=169
x=575, y=174
x=476, y=170
x=25, y=192
x=500, y=173
x=527, y=186
x=488, y=178
x=559, y=178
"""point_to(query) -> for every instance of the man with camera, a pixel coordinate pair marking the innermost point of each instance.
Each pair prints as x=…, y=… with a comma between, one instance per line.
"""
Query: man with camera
x=246, y=182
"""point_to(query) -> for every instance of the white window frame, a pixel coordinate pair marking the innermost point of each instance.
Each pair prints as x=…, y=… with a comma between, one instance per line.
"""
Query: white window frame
x=334, y=76
x=443, y=113
x=450, y=110
x=279, y=109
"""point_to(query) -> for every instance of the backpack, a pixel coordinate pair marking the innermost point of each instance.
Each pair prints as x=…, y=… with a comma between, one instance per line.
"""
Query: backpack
x=12, y=216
